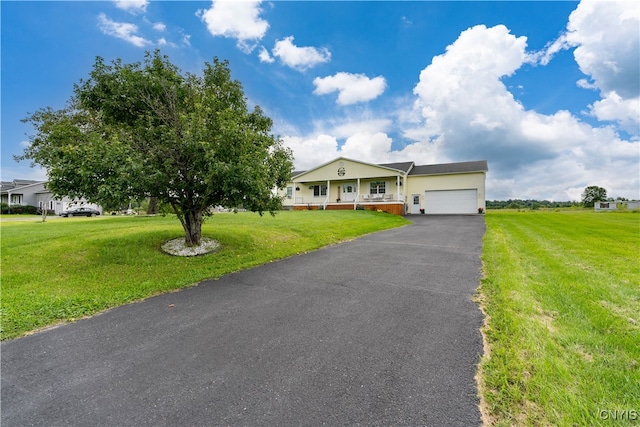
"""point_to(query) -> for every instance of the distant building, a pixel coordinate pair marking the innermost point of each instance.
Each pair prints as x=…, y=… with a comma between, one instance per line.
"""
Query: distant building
x=612, y=205
x=22, y=192
x=605, y=206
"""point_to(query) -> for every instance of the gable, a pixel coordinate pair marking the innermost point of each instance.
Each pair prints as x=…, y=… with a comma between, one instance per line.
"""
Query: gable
x=343, y=168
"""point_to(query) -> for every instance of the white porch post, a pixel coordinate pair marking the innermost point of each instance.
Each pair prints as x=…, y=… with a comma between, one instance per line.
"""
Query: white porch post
x=328, y=198
x=397, y=187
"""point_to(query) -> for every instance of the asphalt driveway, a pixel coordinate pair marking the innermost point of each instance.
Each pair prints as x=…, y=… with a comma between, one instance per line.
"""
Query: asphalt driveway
x=381, y=330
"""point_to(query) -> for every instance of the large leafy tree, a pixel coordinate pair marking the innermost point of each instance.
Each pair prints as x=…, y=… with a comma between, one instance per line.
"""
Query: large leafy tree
x=593, y=194
x=148, y=130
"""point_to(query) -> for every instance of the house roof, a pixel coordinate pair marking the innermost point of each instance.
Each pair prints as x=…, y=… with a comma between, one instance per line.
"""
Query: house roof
x=402, y=166
x=449, y=168
x=6, y=186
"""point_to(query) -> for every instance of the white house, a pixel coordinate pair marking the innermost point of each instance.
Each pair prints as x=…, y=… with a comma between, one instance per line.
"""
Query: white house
x=398, y=188
x=35, y=193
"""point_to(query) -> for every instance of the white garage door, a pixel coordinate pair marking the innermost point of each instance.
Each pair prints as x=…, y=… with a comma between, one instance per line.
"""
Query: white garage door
x=451, y=202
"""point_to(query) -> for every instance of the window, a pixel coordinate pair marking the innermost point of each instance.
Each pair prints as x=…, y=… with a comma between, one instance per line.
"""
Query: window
x=289, y=192
x=16, y=199
x=319, y=190
x=378, y=187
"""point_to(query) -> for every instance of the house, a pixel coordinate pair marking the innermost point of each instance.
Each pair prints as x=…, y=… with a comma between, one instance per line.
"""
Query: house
x=20, y=192
x=398, y=188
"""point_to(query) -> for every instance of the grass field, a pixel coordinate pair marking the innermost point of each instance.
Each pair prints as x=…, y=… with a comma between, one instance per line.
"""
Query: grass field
x=561, y=292
x=67, y=268
x=562, y=295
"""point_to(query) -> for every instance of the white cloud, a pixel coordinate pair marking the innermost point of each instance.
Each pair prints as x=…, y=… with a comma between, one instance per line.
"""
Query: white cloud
x=264, y=56
x=463, y=111
x=368, y=147
x=352, y=126
x=614, y=108
x=122, y=30
x=299, y=58
x=315, y=150
x=608, y=51
x=132, y=6
x=235, y=19
x=311, y=151
x=470, y=114
x=352, y=88
x=159, y=26
x=164, y=42
x=604, y=34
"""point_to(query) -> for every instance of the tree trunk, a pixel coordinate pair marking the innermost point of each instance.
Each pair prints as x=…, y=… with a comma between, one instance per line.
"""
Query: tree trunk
x=192, y=224
x=153, y=206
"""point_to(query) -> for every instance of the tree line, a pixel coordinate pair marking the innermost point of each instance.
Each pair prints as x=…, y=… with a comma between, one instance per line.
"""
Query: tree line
x=590, y=196
x=529, y=204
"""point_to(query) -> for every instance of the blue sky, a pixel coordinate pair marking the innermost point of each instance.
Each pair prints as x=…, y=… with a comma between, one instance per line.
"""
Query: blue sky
x=547, y=92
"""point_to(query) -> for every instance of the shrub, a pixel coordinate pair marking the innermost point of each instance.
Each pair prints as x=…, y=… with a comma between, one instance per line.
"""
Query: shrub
x=18, y=209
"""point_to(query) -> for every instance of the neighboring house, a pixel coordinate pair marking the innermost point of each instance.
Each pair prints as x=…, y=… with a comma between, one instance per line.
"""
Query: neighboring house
x=398, y=188
x=34, y=193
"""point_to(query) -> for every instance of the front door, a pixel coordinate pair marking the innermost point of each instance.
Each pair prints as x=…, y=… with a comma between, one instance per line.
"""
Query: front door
x=348, y=192
x=415, y=203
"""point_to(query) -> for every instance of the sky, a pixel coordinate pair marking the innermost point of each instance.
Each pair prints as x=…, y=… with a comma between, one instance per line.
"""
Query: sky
x=547, y=92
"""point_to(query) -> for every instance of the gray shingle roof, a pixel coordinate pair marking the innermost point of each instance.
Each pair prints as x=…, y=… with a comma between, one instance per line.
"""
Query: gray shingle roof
x=447, y=168
x=403, y=166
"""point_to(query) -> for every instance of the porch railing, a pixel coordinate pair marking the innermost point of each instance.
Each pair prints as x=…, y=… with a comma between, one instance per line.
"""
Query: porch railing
x=326, y=201
x=376, y=198
x=358, y=198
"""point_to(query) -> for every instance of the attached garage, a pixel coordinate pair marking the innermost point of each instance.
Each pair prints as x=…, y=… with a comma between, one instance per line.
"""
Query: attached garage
x=451, y=201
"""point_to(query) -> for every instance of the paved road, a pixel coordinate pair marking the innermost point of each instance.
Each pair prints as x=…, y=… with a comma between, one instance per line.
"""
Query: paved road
x=381, y=330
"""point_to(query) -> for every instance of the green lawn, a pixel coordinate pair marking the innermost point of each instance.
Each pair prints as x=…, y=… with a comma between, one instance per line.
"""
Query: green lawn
x=562, y=295
x=67, y=268
x=561, y=291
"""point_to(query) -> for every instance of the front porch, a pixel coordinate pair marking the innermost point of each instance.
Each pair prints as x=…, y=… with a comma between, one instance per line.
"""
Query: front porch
x=389, y=203
x=345, y=184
